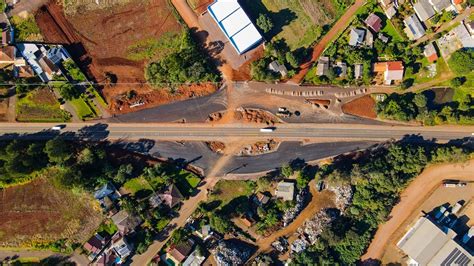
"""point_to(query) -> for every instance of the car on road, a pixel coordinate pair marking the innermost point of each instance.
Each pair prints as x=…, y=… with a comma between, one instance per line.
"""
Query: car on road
x=267, y=129
x=58, y=127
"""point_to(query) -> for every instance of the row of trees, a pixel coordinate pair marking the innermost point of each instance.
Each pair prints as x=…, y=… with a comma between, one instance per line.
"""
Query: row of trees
x=418, y=107
x=377, y=181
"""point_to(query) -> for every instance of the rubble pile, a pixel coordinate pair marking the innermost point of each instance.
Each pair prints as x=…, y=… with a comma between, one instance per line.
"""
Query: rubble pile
x=227, y=253
x=313, y=227
x=281, y=244
x=343, y=196
x=299, y=245
x=290, y=214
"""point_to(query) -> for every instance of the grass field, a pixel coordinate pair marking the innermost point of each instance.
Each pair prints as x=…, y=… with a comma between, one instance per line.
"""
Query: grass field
x=423, y=74
x=226, y=190
x=40, y=105
x=138, y=187
x=298, y=23
x=39, y=215
x=83, y=110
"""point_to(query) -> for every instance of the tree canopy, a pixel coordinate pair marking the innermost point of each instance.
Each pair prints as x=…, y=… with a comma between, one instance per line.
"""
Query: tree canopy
x=462, y=61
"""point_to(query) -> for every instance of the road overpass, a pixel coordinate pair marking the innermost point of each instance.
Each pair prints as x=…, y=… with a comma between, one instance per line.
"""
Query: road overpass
x=229, y=132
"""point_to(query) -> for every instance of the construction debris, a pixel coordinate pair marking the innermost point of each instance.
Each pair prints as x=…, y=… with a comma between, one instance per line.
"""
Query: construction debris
x=313, y=227
x=258, y=148
x=343, y=196
x=290, y=214
x=230, y=253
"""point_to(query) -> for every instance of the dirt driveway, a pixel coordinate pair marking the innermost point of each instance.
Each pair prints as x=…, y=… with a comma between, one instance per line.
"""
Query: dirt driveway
x=416, y=193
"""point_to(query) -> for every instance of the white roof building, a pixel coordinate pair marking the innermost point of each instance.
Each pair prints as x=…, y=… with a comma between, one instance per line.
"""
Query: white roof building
x=285, y=191
x=463, y=35
x=235, y=24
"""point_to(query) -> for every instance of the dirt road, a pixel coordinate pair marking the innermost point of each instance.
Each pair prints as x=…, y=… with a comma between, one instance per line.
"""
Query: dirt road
x=417, y=192
x=318, y=50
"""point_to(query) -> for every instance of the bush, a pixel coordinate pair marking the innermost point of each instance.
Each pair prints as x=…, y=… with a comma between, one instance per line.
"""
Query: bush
x=462, y=61
x=264, y=23
x=457, y=81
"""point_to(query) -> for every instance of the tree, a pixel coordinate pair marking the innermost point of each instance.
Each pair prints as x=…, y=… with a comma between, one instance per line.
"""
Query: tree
x=462, y=61
x=58, y=150
x=264, y=23
x=219, y=224
x=69, y=92
x=457, y=81
x=291, y=59
x=124, y=171
x=287, y=170
x=420, y=100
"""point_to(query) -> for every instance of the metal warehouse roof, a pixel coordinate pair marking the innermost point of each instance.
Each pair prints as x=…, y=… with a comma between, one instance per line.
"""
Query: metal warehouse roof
x=235, y=24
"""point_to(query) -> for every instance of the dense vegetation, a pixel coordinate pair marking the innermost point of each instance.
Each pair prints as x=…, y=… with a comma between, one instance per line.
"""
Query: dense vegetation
x=418, y=107
x=186, y=65
x=26, y=29
x=377, y=181
x=462, y=61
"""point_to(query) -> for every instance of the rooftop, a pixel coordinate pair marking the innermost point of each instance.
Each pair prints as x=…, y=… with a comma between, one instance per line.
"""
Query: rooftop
x=423, y=10
x=235, y=24
x=414, y=28
x=374, y=22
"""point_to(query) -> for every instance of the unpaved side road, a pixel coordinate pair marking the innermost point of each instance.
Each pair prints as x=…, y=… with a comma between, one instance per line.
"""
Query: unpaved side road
x=412, y=197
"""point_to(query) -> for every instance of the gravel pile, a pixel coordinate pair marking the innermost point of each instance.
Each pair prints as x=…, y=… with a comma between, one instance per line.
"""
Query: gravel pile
x=343, y=196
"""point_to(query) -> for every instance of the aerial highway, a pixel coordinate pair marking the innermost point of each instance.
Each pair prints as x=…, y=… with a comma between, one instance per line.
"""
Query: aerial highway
x=228, y=132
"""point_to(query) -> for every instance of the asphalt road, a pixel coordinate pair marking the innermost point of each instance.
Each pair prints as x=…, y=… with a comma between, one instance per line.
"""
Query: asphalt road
x=201, y=132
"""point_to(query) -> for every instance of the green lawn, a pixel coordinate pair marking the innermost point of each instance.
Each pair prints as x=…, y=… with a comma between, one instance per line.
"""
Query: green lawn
x=84, y=111
x=137, y=186
x=467, y=88
x=186, y=182
x=40, y=105
x=226, y=190
x=388, y=28
x=99, y=97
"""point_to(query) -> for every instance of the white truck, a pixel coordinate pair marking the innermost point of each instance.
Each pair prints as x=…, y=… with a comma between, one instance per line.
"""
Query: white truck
x=58, y=127
x=267, y=129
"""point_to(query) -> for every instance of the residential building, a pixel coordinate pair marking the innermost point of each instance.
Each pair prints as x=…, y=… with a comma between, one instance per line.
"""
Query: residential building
x=235, y=24
x=125, y=222
x=278, y=68
x=392, y=71
x=470, y=26
x=440, y=5
x=194, y=259
x=369, y=38
x=424, y=10
x=358, y=70
x=374, y=22
x=261, y=198
x=390, y=11
x=414, y=29
x=95, y=245
x=341, y=69
x=386, y=3
x=285, y=191
x=430, y=52
x=179, y=252
x=107, y=195
x=205, y=232
x=170, y=197
x=322, y=68
x=427, y=243
x=383, y=38
x=36, y=55
x=121, y=249
x=356, y=36
x=464, y=36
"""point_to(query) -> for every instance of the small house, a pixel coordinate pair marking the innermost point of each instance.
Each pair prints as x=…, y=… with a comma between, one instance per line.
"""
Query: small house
x=285, y=191
x=386, y=3
x=413, y=27
x=390, y=11
x=374, y=22
x=463, y=35
x=121, y=248
x=369, y=39
x=125, y=222
x=278, y=68
x=392, y=71
x=261, y=199
x=205, y=232
x=356, y=36
x=430, y=52
x=383, y=38
x=341, y=69
x=95, y=245
x=440, y=5
x=171, y=197
x=179, y=252
x=423, y=9
x=194, y=259
x=358, y=70
x=322, y=68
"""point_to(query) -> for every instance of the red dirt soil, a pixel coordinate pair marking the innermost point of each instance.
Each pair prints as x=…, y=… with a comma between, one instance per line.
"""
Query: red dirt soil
x=363, y=106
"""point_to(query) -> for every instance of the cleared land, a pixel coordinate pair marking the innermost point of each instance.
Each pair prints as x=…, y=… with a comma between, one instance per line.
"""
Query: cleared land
x=363, y=106
x=416, y=193
x=40, y=105
x=298, y=23
x=38, y=214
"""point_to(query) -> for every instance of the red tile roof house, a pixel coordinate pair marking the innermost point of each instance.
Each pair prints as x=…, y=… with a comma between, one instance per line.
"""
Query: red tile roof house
x=374, y=22
x=392, y=71
x=95, y=245
x=430, y=53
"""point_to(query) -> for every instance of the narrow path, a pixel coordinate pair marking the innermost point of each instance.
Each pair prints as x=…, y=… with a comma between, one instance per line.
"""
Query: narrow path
x=343, y=22
x=412, y=197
